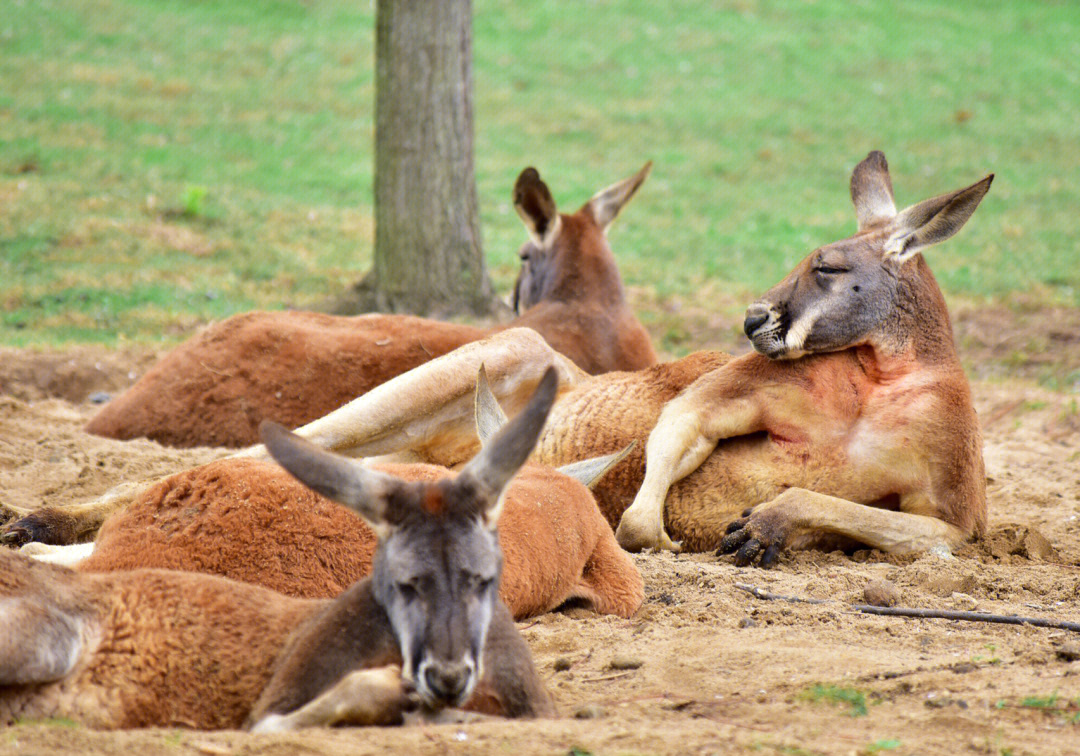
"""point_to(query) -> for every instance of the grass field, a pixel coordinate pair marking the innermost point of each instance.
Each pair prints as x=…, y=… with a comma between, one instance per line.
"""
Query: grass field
x=165, y=162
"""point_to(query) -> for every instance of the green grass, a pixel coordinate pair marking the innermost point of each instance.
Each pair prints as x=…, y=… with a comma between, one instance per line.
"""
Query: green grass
x=249, y=127
x=1052, y=704
x=853, y=698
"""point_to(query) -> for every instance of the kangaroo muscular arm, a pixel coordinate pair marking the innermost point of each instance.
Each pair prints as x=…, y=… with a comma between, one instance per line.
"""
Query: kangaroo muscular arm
x=720, y=405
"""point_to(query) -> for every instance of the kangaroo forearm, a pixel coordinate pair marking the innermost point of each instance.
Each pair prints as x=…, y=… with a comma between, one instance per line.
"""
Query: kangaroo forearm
x=887, y=530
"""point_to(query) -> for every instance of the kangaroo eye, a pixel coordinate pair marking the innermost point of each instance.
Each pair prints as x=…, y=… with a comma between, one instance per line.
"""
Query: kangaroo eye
x=478, y=583
x=407, y=589
x=827, y=270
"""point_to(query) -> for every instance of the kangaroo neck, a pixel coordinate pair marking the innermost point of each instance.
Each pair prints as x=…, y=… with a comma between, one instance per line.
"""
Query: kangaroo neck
x=916, y=334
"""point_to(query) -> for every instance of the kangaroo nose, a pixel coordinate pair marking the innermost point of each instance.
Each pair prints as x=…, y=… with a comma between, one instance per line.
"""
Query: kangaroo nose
x=447, y=680
x=756, y=315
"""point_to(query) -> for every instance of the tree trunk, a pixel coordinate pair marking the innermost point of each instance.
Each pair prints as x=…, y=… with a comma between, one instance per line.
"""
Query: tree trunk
x=428, y=256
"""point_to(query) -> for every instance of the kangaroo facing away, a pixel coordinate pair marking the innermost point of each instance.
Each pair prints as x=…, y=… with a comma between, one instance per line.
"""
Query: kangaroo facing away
x=293, y=367
x=154, y=647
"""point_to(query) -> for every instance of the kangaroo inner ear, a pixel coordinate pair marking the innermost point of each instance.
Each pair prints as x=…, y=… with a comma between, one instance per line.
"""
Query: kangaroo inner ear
x=606, y=204
x=346, y=481
x=871, y=191
x=535, y=205
x=489, y=414
x=933, y=220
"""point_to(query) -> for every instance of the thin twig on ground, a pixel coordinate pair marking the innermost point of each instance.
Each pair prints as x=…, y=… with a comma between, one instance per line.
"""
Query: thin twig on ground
x=765, y=595
x=607, y=677
x=914, y=613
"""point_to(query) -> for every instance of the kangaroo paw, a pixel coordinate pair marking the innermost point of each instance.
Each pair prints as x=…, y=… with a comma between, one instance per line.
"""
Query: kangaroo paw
x=638, y=533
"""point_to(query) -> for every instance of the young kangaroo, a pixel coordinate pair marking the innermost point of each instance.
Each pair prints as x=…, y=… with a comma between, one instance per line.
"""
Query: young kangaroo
x=154, y=647
x=294, y=367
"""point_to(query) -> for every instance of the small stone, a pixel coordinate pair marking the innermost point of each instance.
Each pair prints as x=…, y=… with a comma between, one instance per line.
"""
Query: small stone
x=1035, y=546
x=881, y=593
x=562, y=664
x=100, y=397
x=964, y=602
x=625, y=662
x=747, y=622
x=941, y=551
x=588, y=712
x=1069, y=651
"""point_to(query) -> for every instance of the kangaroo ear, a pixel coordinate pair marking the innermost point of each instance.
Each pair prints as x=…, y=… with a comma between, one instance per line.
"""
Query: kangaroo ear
x=590, y=471
x=534, y=204
x=489, y=414
x=490, y=470
x=933, y=220
x=347, y=481
x=871, y=191
x=606, y=204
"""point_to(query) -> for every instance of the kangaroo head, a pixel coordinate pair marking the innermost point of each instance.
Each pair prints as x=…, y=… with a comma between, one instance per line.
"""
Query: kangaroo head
x=437, y=566
x=562, y=249
x=844, y=293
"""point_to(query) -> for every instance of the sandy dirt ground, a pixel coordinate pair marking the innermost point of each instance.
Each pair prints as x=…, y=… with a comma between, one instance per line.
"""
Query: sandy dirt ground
x=704, y=667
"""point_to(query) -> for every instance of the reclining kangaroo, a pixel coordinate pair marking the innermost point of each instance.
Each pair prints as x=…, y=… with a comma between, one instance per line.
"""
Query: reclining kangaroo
x=249, y=520
x=294, y=367
x=853, y=421
x=154, y=647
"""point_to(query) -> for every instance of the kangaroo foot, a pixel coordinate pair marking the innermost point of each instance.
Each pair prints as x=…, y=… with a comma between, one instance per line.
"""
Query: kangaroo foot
x=44, y=525
x=760, y=533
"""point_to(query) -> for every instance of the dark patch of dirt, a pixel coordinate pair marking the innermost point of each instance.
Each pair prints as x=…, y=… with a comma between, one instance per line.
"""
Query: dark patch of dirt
x=72, y=374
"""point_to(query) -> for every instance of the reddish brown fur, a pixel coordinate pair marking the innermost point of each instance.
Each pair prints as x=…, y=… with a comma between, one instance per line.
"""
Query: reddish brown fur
x=252, y=521
x=294, y=367
x=181, y=649
x=230, y=634
x=291, y=367
x=609, y=412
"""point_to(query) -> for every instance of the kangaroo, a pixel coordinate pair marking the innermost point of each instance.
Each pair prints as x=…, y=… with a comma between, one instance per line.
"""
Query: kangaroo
x=294, y=367
x=851, y=422
x=162, y=648
x=250, y=520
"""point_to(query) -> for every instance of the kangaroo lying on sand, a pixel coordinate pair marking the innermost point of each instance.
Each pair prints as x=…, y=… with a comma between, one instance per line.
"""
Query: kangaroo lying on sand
x=852, y=422
x=162, y=648
x=293, y=367
x=250, y=520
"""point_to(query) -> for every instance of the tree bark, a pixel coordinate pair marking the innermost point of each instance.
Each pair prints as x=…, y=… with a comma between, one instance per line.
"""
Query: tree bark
x=428, y=255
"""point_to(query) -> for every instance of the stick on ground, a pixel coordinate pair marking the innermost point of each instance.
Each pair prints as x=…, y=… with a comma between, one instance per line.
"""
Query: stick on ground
x=903, y=611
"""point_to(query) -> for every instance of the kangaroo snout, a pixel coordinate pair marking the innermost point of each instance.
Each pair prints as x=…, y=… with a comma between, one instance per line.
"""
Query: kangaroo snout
x=756, y=316
x=448, y=681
